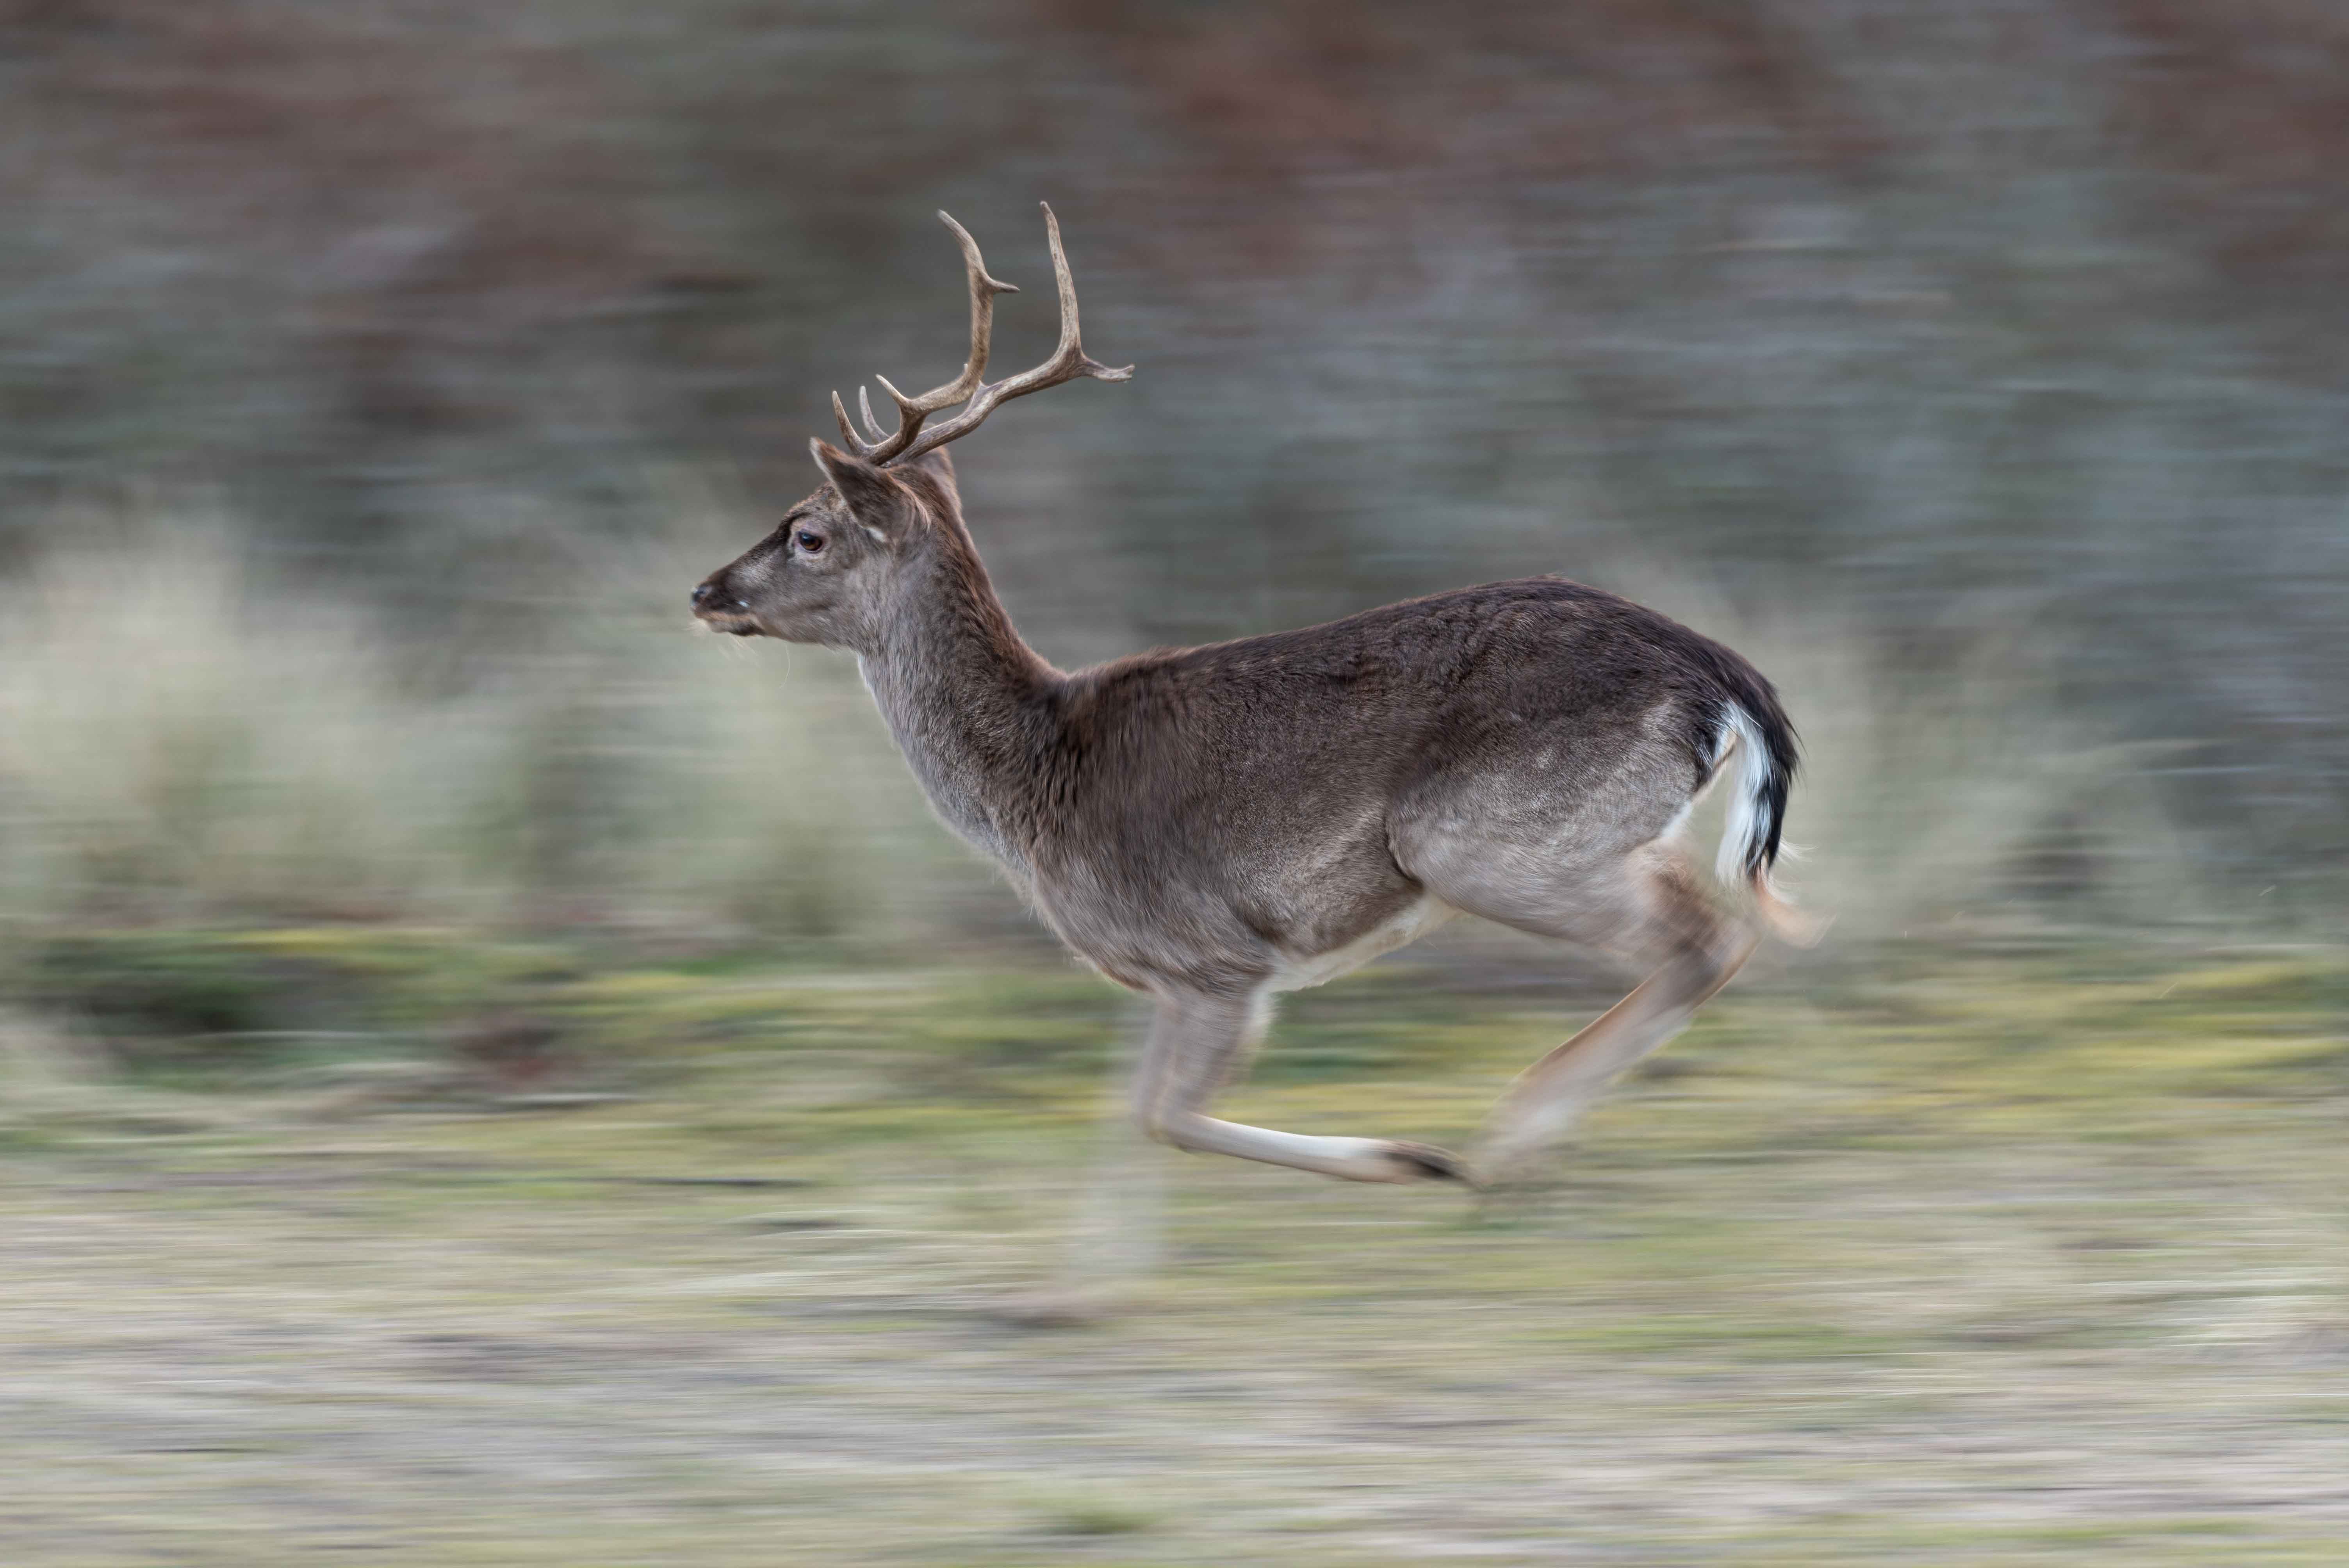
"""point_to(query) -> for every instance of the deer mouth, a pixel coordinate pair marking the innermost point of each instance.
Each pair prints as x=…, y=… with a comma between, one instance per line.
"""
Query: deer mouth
x=730, y=621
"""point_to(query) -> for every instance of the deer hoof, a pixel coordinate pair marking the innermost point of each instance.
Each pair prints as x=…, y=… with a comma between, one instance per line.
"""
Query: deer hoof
x=1425, y=1162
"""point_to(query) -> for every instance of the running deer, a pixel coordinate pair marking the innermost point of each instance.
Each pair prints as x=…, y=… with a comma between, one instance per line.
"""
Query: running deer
x=1213, y=825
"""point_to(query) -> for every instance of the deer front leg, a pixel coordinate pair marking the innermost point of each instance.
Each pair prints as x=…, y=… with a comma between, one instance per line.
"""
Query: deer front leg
x=1197, y=1042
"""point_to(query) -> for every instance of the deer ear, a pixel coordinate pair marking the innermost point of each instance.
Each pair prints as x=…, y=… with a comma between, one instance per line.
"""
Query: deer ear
x=878, y=503
x=937, y=469
x=938, y=462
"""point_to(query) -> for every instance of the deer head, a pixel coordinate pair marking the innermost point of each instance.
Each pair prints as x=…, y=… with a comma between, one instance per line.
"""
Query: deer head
x=831, y=569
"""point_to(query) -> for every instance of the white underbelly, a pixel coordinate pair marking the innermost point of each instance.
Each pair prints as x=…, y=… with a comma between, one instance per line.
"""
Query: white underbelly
x=1408, y=925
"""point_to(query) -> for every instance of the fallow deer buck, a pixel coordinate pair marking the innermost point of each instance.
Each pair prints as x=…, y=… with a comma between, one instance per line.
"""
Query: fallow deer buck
x=1213, y=825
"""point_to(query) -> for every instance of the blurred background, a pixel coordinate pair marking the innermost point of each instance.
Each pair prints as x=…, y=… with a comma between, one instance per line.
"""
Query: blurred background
x=489, y=1075
x=375, y=377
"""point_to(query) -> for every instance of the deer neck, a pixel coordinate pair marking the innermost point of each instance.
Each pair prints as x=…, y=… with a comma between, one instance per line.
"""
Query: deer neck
x=968, y=702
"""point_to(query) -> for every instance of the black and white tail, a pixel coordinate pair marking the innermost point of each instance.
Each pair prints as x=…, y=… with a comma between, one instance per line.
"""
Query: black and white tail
x=1754, y=724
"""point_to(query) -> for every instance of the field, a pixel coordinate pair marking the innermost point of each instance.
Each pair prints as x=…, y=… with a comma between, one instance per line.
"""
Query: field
x=2024, y=1257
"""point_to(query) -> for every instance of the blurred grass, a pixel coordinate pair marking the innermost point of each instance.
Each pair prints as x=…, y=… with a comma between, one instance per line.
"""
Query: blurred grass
x=222, y=1007
x=2028, y=1258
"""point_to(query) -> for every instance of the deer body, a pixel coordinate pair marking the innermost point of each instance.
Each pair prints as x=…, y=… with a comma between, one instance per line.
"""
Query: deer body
x=1213, y=825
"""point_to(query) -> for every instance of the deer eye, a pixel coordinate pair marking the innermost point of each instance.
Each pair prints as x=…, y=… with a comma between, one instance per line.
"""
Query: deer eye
x=809, y=543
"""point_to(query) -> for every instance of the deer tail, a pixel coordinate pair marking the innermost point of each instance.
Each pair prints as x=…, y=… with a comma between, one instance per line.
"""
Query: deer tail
x=1751, y=841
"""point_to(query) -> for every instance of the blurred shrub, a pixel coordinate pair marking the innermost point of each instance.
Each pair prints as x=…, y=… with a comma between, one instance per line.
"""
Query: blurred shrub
x=174, y=1001
x=185, y=739
x=208, y=1005
x=157, y=983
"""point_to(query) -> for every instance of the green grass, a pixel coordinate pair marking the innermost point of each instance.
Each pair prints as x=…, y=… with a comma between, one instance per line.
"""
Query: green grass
x=2031, y=1258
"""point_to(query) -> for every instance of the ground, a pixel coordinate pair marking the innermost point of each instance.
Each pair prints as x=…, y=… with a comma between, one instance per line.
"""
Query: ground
x=1968, y=1258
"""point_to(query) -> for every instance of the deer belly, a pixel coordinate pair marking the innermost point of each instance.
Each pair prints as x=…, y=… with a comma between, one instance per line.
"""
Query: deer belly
x=1406, y=925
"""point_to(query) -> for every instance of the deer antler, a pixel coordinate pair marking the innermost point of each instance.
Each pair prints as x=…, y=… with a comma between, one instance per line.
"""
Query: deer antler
x=978, y=398
x=912, y=411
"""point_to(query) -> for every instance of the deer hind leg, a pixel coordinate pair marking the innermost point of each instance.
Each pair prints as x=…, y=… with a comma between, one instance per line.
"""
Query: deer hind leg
x=1649, y=908
x=1197, y=1042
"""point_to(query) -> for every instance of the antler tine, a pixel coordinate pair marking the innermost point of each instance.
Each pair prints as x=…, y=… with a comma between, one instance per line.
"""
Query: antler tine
x=856, y=443
x=983, y=290
x=912, y=411
x=1069, y=361
x=864, y=411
